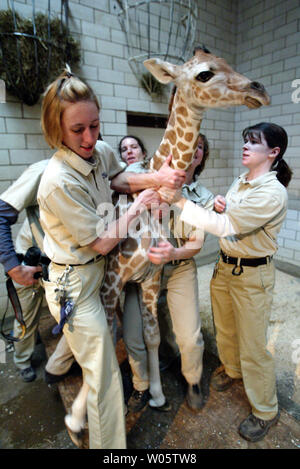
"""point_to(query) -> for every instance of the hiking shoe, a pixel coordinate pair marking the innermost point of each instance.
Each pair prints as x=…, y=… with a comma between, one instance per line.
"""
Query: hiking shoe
x=28, y=374
x=194, y=397
x=220, y=380
x=138, y=400
x=52, y=379
x=255, y=429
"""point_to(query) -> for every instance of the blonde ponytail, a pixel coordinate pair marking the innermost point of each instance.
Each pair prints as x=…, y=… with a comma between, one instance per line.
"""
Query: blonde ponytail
x=67, y=88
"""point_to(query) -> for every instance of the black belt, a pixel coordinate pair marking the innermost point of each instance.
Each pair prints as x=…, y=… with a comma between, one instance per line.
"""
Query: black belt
x=176, y=262
x=240, y=261
x=91, y=261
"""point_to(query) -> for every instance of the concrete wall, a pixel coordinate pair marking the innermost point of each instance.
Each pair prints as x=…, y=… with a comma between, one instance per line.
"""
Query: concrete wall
x=259, y=38
x=268, y=49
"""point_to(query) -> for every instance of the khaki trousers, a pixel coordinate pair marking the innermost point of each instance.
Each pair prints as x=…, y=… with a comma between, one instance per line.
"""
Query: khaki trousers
x=241, y=308
x=134, y=338
x=61, y=359
x=31, y=299
x=182, y=297
x=89, y=339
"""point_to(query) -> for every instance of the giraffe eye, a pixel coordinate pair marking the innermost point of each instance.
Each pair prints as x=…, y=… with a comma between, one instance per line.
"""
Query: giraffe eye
x=204, y=76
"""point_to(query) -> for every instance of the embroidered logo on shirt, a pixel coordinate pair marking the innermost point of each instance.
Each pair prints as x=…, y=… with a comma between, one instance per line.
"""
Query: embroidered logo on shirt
x=104, y=175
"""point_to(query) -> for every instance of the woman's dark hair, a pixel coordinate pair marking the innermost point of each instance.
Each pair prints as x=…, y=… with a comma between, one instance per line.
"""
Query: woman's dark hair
x=139, y=141
x=201, y=166
x=275, y=136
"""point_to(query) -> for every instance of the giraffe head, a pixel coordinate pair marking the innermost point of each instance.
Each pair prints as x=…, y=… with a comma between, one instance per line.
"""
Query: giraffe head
x=207, y=81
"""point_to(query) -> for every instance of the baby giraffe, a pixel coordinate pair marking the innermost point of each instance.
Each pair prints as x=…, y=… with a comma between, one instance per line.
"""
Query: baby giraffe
x=203, y=82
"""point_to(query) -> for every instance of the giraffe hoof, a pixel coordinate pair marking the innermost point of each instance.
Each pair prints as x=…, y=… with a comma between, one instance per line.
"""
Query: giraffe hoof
x=162, y=408
x=78, y=438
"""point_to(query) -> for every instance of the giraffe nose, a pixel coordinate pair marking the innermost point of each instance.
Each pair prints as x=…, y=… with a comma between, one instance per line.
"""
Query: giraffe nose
x=255, y=85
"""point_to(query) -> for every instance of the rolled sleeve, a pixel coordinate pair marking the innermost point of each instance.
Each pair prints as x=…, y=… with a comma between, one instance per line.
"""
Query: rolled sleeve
x=22, y=193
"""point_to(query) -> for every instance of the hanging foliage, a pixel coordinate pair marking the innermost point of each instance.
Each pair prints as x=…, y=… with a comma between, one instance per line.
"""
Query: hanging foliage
x=32, y=54
x=152, y=86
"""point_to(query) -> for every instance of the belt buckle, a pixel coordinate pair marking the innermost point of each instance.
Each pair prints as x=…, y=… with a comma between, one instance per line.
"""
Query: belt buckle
x=239, y=272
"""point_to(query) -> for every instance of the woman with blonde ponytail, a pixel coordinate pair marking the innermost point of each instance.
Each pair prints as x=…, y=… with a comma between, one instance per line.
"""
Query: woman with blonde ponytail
x=74, y=185
x=67, y=88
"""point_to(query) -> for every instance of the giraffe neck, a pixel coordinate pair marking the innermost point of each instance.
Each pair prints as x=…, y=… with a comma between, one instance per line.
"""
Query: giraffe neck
x=181, y=136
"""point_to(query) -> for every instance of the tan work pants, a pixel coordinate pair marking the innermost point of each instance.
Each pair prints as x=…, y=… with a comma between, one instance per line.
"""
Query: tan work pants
x=61, y=359
x=182, y=297
x=133, y=336
x=31, y=299
x=89, y=338
x=241, y=309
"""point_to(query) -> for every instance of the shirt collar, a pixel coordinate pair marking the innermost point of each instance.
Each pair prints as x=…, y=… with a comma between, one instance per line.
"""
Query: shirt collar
x=78, y=163
x=269, y=176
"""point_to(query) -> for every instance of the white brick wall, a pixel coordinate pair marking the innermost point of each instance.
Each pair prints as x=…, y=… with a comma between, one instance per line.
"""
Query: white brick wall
x=289, y=238
x=260, y=39
x=272, y=57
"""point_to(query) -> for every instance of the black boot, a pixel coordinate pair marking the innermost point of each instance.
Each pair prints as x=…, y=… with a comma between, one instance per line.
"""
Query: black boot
x=255, y=429
x=138, y=400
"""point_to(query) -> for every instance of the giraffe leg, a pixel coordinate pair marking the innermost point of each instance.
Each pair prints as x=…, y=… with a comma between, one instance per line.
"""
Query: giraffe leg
x=150, y=290
x=157, y=396
x=111, y=304
x=75, y=421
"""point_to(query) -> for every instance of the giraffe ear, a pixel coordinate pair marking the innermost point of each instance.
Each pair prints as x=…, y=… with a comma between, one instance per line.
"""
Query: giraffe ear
x=164, y=72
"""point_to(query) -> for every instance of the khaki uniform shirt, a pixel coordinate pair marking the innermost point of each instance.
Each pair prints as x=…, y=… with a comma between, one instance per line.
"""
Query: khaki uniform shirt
x=254, y=215
x=197, y=193
x=21, y=195
x=71, y=191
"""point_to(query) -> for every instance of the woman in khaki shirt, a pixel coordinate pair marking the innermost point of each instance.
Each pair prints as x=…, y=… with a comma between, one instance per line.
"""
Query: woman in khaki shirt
x=73, y=187
x=243, y=280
